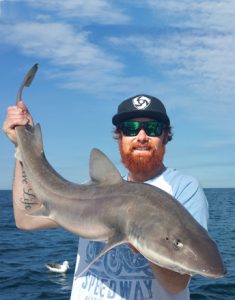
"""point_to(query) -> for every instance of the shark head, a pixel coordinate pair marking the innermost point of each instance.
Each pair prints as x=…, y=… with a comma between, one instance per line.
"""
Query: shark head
x=184, y=249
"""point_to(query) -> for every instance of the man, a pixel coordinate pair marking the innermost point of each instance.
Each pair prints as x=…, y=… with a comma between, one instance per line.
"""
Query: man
x=142, y=131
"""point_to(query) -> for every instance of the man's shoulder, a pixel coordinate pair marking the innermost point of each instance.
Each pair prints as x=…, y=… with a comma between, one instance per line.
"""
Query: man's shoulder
x=187, y=190
x=174, y=181
x=175, y=174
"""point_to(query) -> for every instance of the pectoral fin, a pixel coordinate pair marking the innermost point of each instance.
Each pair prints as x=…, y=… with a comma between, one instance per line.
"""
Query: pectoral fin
x=116, y=240
x=41, y=212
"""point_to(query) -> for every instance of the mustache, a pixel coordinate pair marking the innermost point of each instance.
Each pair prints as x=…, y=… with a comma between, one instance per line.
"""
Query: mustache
x=146, y=145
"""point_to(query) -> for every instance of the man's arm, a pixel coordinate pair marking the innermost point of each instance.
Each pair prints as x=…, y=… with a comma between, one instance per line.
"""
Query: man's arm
x=25, y=201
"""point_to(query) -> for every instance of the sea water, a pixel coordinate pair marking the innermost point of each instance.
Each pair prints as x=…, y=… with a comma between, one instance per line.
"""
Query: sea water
x=23, y=255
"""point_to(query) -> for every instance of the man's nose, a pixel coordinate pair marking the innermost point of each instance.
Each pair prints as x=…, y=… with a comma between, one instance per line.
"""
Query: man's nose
x=142, y=136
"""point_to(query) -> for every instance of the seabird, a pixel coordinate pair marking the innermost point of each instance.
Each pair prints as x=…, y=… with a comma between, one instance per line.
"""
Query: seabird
x=58, y=268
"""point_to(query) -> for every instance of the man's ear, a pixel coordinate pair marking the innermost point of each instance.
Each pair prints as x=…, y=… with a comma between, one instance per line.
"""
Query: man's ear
x=165, y=137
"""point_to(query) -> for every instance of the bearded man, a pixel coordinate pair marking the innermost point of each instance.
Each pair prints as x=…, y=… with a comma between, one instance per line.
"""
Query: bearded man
x=142, y=129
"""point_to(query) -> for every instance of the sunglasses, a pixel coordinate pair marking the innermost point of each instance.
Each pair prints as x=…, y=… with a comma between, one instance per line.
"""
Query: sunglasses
x=132, y=128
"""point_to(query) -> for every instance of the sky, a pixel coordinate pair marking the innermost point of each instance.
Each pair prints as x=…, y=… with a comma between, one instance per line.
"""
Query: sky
x=92, y=54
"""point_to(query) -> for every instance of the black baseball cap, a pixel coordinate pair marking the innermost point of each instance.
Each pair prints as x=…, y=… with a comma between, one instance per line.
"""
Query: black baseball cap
x=141, y=106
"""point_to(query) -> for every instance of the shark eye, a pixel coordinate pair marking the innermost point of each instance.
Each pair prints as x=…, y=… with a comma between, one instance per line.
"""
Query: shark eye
x=178, y=244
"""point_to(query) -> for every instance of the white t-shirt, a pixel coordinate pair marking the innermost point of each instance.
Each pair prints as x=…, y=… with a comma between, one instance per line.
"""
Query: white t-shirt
x=120, y=273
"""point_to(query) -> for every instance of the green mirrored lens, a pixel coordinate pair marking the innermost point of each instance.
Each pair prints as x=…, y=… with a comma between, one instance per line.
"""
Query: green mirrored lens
x=133, y=125
x=153, y=128
x=132, y=128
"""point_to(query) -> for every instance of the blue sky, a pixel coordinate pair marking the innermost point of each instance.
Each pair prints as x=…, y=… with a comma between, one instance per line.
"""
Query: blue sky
x=94, y=54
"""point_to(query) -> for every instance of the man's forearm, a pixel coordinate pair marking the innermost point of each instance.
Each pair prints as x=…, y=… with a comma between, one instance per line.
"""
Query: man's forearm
x=25, y=201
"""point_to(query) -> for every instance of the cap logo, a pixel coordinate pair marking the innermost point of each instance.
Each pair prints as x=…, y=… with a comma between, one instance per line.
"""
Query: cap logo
x=141, y=102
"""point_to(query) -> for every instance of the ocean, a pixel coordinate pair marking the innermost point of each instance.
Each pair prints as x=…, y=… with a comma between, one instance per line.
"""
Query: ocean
x=23, y=255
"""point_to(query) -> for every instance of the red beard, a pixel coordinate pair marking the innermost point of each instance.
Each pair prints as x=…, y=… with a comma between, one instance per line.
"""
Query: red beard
x=142, y=165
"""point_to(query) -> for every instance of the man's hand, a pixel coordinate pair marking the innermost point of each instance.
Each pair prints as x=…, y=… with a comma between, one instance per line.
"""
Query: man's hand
x=16, y=115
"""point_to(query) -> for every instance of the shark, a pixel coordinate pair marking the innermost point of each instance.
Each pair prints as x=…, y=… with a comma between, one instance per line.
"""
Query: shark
x=111, y=209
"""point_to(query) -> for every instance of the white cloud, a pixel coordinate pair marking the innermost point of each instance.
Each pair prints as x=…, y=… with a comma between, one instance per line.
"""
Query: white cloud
x=195, y=50
x=92, y=11
x=201, y=58
x=206, y=59
x=80, y=63
x=198, y=45
x=59, y=43
x=207, y=44
x=204, y=14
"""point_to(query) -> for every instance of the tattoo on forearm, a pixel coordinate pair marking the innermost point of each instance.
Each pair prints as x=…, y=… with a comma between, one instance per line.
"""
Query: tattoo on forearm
x=29, y=198
x=24, y=177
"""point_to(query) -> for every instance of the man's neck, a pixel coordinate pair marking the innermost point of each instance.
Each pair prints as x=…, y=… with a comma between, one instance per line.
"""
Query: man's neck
x=142, y=177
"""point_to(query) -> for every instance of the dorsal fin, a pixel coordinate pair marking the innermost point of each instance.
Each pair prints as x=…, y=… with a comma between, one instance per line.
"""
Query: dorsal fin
x=102, y=169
